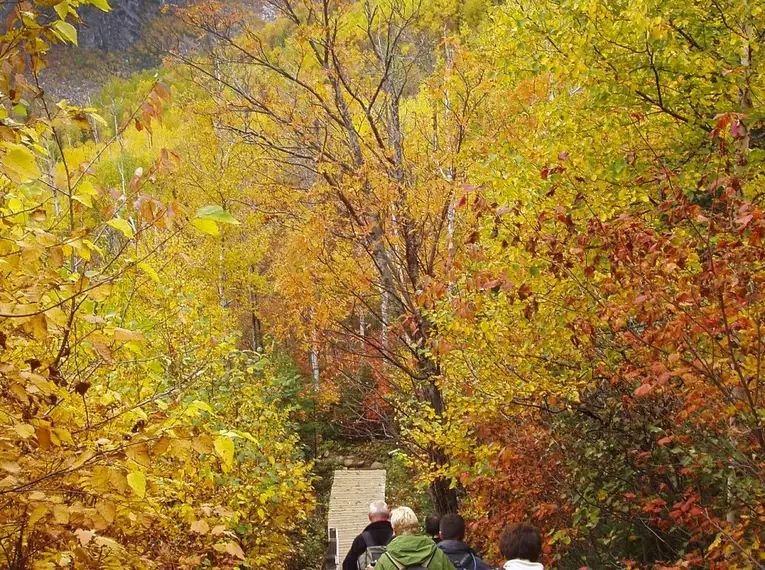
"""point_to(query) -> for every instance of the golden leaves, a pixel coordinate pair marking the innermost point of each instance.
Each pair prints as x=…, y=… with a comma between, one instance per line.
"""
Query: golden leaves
x=20, y=161
x=128, y=335
x=137, y=481
x=200, y=527
x=122, y=226
x=224, y=449
x=139, y=453
x=24, y=430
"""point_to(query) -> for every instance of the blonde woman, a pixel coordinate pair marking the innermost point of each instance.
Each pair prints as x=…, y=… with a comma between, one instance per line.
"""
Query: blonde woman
x=410, y=549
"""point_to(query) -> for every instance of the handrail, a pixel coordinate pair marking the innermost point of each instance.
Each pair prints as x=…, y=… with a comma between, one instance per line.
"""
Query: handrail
x=332, y=552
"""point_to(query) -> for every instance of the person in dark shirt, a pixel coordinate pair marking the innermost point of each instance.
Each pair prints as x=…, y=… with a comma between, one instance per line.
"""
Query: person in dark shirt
x=452, y=529
x=432, y=526
x=379, y=529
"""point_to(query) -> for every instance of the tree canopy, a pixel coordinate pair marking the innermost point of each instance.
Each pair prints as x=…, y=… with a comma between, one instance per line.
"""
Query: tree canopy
x=521, y=240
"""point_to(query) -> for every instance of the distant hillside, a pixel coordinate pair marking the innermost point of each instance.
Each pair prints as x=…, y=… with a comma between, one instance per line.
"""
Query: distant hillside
x=131, y=37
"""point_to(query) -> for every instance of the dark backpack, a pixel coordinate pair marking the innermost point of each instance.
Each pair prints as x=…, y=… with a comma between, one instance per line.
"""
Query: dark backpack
x=373, y=552
x=467, y=562
x=400, y=566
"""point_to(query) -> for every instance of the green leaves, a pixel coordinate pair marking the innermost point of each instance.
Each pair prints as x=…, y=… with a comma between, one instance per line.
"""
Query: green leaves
x=208, y=218
x=216, y=213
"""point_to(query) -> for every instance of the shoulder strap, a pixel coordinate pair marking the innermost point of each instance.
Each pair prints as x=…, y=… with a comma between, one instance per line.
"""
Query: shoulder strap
x=464, y=559
x=396, y=563
x=475, y=562
x=368, y=539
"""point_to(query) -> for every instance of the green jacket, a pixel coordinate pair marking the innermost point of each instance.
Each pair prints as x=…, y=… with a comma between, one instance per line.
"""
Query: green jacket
x=411, y=550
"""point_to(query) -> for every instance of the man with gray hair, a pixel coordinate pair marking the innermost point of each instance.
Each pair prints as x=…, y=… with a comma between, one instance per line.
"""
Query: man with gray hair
x=370, y=544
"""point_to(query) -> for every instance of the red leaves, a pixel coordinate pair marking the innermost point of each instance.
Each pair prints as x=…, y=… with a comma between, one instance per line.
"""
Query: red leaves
x=737, y=129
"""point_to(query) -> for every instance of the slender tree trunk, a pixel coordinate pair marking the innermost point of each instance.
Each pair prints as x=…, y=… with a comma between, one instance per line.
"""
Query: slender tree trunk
x=745, y=91
x=256, y=323
x=314, y=359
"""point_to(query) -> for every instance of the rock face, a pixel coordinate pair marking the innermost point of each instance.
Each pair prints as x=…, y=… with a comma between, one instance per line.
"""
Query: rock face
x=119, y=29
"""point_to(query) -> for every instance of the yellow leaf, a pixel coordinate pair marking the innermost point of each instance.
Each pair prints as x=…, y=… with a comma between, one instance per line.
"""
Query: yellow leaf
x=61, y=514
x=24, y=430
x=203, y=444
x=87, y=188
x=207, y=226
x=66, y=31
x=122, y=226
x=83, y=199
x=60, y=6
x=108, y=510
x=140, y=454
x=82, y=459
x=100, y=478
x=127, y=335
x=118, y=480
x=37, y=326
x=224, y=448
x=22, y=162
x=150, y=271
x=137, y=482
x=61, y=435
x=38, y=513
x=108, y=543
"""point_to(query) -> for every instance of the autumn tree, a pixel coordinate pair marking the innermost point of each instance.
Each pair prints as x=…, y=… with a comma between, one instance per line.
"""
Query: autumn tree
x=115, y=451
x=334, y=99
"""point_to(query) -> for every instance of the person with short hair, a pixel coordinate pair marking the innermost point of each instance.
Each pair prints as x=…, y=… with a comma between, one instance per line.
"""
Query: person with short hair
x=378, y=532
x=452, y=531
x=521, y=545
x=410, y=549
x=432, y=527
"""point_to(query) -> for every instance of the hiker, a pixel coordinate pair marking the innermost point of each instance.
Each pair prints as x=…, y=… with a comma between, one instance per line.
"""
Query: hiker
x=432, y=527
x=410, y=549
x=366, y=546
x=521, y=544
x=452, y=530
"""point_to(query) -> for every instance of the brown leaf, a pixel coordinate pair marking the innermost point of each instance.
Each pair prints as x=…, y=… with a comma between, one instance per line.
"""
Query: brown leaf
x=200, y=527
x=235, y=550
